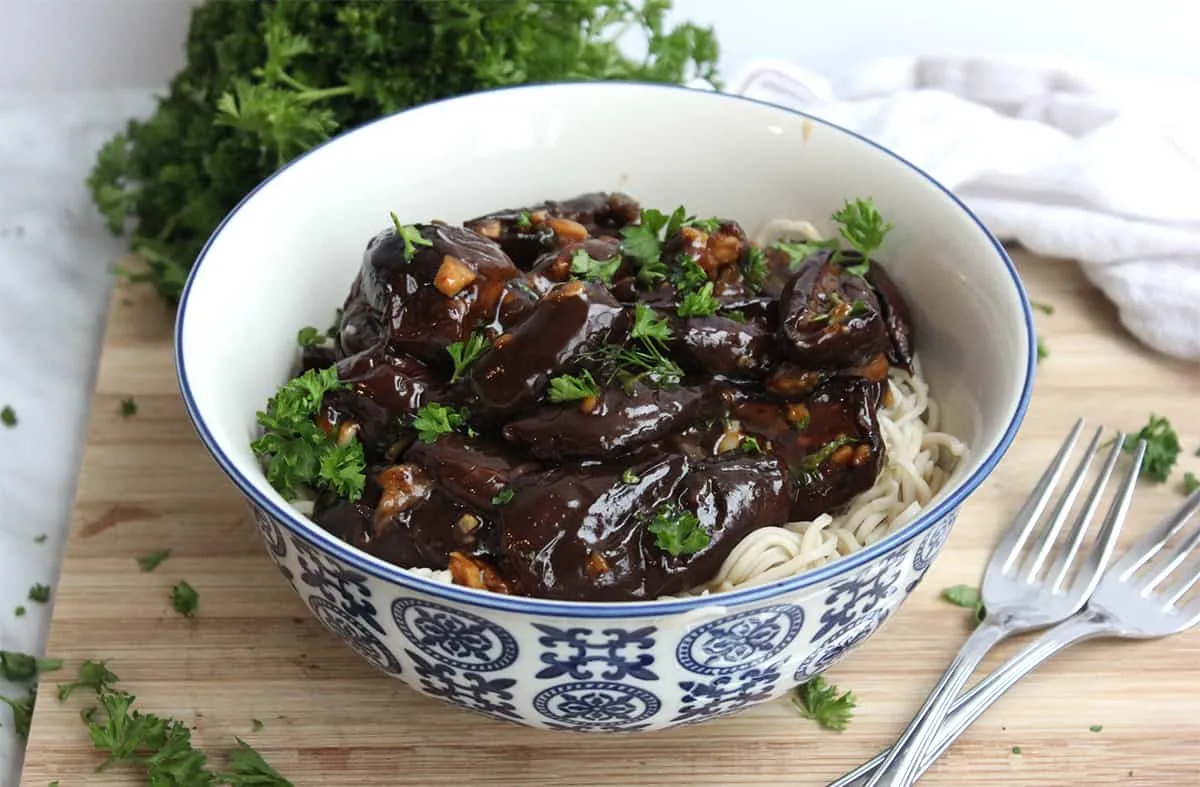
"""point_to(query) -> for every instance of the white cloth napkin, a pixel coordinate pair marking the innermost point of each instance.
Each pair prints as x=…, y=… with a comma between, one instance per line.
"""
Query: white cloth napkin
x=1068, y=160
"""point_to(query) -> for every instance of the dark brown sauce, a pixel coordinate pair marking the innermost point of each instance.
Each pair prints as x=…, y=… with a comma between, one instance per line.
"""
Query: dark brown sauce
x=769, y=416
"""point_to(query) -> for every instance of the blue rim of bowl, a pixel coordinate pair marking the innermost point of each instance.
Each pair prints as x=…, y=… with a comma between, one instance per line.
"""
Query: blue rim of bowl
x=316, y=536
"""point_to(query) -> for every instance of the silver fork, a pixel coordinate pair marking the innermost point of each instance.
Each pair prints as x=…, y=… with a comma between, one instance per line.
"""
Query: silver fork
x=1017, y=594
x=1124, y=605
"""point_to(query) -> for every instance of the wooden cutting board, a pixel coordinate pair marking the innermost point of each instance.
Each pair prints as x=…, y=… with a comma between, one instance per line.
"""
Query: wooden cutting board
x=253, y=651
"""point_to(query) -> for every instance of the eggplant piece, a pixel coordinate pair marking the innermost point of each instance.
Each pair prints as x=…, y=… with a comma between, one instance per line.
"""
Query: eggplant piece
x=472, y=473
x=616, y=421
x=791, y=382
x=842, y=447
x=361, y=326
x=578, y=534
x=434, y=290
x=601, y=213
x=557, y=266
x=830, y=318
x=522, y=234
x=720, y=345
x=399, y=384
x=895, y=315
x=572, y=318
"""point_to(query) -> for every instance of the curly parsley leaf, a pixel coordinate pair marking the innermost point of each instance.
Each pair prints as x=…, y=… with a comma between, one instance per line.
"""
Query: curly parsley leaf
x=22, y=710
x=687, y=275
x=643, y=242
x=184, y=599
x=150, y=561
x=247, y=768
x=819, y=700
x=584, y=266
x=94, y=675
x=571, y=388
x=434, y=420
x=22, y=667
x=628, y=476
x=8, y=416
x=1162, y=448
x=463, y=354
x=309, y=336
x=700, y=303
x=1190, y=482
x=677, y=531
x=860, y=224
x=296, y=452
x=39, y=593
x=648, y=325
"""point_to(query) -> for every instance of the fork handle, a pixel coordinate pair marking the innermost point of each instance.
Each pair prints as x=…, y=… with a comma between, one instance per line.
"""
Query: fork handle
x=900, y=764
x=971, y=705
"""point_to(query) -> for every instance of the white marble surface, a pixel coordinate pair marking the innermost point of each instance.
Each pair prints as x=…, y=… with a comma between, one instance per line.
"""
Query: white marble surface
x=55, y=260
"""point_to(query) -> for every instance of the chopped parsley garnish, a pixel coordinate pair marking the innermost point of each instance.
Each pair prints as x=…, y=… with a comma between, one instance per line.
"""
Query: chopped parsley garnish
x=129, y=407
x=39, y=593
x=819, y=700
x=19, y=611
x=648, y=325
x=860, y=224
x=524, y=221
x=309, y=336
x=709, y=225
x=755, y=271
x=677, y=531
x=150, y=561
x=572, y=388
x=800, y=251
x=94, y=675
x=22, y=667
x=643, y=242
x=40, y=538
x=8, y=416
x=817, y=458
x=22, y=711
x=749, y=445
x=1162, y=448
x=700, y=303
x=1044, y=308
x=1016, y=749
x=297, y=453
x=184, y=599
x=1096, y=727
x=1042, y=352
x=463, y=354
x=737, y=315
x=688, y=276
x=410, y=234
x=630, y=477
x=1190, y=482
x=256, y=725
x=434, y=420
x=584, y=266
x=967, y=597
x=503, y=497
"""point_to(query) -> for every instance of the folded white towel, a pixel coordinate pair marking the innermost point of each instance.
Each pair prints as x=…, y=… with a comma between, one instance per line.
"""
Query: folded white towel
x=1069, y=161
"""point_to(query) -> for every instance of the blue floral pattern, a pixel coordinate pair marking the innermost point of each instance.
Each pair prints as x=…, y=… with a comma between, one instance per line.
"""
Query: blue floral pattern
x=490, y=696
x=932, y=543
x=355, y=634
x=725, y=694
x=738, y=641
x=835, y=648
x=581, y=653
x=272, y=533
x=346, y=590
x=597, y=705
x=454, y=637
x=855, y=598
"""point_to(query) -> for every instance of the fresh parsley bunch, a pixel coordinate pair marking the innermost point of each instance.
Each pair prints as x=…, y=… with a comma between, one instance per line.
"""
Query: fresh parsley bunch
x=267, y=80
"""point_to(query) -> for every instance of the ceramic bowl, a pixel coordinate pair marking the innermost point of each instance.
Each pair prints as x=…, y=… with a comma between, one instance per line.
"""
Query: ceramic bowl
x=285, y=257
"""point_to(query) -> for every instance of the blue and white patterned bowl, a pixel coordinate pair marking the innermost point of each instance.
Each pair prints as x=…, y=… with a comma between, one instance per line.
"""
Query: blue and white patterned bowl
x=285, y=256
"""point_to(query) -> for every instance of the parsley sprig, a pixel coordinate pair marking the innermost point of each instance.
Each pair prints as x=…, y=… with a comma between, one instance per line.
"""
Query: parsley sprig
x=819, y=700
x=584, y=266
x=860, y=224
x=299, y=454
x=463, y=354
x=572, y=387
x=677, y=531
x=646, y=356
x=699, y=303
x=643, y=242
x=799, y=251
x=410, y=235
x=434, y=420
x=1162, y=448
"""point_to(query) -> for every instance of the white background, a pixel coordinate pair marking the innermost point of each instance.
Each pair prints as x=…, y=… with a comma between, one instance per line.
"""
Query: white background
x=64, y=44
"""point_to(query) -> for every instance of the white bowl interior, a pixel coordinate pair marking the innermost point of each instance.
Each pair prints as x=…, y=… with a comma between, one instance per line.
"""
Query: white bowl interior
x=286, y=257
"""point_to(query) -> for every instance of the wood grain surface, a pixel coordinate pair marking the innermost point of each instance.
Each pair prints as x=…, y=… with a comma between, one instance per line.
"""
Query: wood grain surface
x=253, y=651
